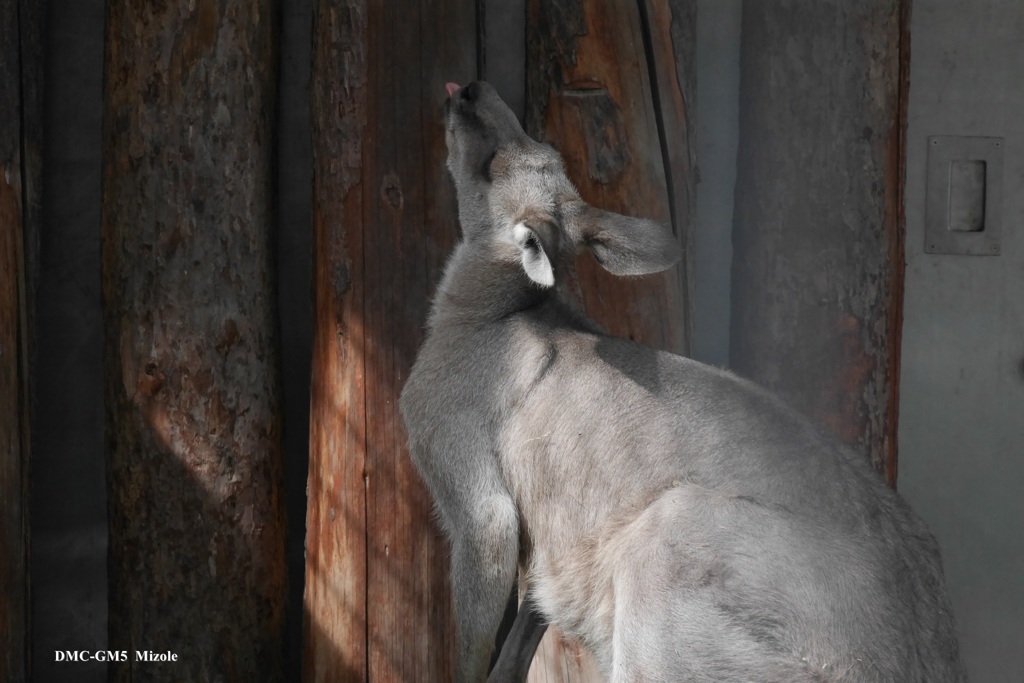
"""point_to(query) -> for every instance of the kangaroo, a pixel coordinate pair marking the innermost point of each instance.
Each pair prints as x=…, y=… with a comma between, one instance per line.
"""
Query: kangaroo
x=681, y=523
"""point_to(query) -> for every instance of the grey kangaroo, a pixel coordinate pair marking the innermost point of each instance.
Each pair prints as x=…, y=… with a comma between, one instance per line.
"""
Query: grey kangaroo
x=679, y=522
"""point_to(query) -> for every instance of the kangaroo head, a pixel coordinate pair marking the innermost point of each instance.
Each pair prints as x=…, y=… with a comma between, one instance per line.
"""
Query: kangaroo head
x=513, y=191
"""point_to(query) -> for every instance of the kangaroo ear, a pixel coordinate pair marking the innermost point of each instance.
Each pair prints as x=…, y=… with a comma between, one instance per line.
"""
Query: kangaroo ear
x=628, y=246
x=537, y=242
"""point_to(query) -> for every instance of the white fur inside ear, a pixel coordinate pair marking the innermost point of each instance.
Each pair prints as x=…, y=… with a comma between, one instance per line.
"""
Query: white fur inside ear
x=535, y=260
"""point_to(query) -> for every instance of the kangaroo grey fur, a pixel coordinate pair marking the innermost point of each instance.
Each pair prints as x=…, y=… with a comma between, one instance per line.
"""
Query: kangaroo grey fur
x=680, y=522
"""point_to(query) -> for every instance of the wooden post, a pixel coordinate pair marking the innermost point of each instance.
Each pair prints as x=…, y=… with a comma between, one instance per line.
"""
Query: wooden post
x=13, y=444
x=620, y=121
x=817, y=244
x=194, y=473
x=20, y=114
x=377, y=599
x=612, y=86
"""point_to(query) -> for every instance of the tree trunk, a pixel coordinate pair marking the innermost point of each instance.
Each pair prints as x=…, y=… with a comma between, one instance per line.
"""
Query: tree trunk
x=196, y=558
x=612, y=86
x=377, y=597
x=817, y=243
x=20, y=113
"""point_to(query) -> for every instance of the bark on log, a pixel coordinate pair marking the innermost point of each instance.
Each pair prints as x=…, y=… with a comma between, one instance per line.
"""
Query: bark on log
x=194, y=473
x=20, y=113
x=612, y=86
x=377, y=597
x=817, y=242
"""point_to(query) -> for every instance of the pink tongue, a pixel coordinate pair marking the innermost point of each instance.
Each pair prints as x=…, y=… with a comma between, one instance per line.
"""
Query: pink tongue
x=451, y=88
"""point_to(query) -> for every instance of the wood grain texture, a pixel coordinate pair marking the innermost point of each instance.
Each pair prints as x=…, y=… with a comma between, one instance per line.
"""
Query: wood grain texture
x=20, y=113
x=817, y=242
x=334, y=627
x=196, y=559
x=13, y=424
x=612, y=86
x=591, y=95
x=13, y=444
x=671, y=30
x=377, y=596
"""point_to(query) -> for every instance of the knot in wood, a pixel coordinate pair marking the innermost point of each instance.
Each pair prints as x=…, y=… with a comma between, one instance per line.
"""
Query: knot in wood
x=151, y=381
x=604, y=132
x=391, y=191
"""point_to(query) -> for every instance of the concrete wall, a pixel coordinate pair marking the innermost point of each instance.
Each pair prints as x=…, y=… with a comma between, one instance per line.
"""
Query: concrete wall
x=961, y=439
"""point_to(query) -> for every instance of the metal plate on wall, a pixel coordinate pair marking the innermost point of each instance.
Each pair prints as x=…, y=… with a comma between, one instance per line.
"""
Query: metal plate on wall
x=963, y=214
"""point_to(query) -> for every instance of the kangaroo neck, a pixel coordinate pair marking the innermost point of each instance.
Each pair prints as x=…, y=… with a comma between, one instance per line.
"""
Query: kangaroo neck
x=483, y=284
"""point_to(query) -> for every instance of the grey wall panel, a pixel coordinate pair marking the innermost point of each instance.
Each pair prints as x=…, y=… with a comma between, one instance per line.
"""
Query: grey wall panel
x=962, y=391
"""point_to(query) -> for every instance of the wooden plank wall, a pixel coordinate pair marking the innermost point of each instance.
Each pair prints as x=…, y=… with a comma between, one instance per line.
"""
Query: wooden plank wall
x=817, y=283
x=377, y=599
x=20, y=169
x=13, y=445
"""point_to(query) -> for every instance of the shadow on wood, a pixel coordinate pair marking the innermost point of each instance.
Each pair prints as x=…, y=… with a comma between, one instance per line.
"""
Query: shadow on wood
x=377, y=598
